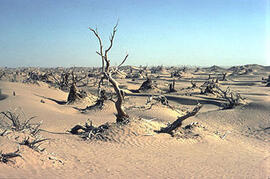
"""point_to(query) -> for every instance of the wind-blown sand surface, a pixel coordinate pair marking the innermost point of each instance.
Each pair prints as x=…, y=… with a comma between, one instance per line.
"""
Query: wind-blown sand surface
x=232, y=143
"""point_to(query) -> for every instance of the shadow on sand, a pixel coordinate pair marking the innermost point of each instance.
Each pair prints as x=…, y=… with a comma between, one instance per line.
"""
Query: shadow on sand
x=2, y=96
x=54, y=100
x=188, y=100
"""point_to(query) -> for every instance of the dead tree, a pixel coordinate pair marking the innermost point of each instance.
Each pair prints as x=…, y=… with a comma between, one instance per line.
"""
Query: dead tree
x=178, y=123
x=73, y=94
x=184, y=69
x=148, y=85
x=172, y=86
x=208, y=87
x=121, y=115
x=233, y=98
x=194, y=84
x=75, y=79
x=224, y=77
x=2, y=74
x=267, y=81
x=176, y=73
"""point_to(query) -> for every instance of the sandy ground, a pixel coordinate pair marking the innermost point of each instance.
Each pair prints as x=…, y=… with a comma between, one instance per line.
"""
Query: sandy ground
x=232, y=143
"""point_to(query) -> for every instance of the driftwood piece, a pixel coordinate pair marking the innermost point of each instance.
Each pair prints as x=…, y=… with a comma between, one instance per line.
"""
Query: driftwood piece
x=88, y=131
x=178, y=123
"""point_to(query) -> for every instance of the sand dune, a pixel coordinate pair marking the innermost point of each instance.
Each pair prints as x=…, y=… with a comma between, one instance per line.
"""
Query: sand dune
x=231, y=143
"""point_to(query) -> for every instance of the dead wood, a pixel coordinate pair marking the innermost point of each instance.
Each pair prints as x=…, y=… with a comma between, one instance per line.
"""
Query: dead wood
x=172, y=87
x=208, y=87
x=73, y=94
x=107, y=74
x=6, y=157
x=178, y=123
x=35, y=144
x=88, y=131
x=20, y=125
x=194, y=85
x=233, y=98
x=148, y=85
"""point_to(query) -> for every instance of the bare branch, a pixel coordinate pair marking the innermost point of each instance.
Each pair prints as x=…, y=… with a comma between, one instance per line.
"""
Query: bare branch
x=121, y=115
x=111, y=39
x=100, y=46
x=179, y=121
x=123, y=61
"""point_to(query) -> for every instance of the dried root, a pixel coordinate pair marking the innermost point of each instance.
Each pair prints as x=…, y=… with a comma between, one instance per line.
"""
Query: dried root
x=6, y=157
x=178, y=123
x=88, y=131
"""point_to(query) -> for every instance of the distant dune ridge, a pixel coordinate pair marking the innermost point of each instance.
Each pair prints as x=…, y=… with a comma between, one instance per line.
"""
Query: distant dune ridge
x=217, y=142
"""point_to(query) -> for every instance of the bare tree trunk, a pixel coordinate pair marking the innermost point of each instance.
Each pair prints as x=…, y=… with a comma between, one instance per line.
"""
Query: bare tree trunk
x=178, y=123
x=121, y=114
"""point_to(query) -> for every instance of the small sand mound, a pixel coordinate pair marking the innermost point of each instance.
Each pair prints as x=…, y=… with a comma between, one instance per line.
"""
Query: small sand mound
x=135, y=131
x=149, y=86
x=76, y=96
x=118, y=132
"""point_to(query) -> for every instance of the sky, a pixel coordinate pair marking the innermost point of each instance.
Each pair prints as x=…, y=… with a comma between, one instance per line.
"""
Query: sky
x=50, y=33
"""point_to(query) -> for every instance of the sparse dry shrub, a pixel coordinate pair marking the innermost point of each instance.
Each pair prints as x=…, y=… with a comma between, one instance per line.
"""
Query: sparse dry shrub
x=88, y=131
x=11, y=121
x=32, y=78
x=33, y=144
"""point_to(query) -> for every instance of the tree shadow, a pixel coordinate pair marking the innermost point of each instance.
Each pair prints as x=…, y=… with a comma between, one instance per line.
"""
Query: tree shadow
x=2, y=96
x=187, y=100
x=54, y=100
x=98, y=105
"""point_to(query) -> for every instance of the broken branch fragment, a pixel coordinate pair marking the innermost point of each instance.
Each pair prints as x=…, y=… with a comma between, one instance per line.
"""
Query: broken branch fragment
x=178, y=123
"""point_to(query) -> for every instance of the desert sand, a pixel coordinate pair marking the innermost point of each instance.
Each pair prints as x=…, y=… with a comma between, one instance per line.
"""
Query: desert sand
x=222, y=143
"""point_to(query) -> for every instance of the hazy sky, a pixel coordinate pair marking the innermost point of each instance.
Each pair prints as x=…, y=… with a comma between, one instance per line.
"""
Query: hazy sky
x=180, y=32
